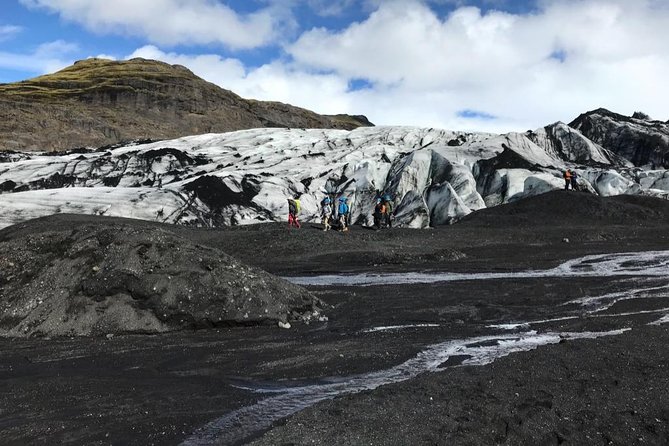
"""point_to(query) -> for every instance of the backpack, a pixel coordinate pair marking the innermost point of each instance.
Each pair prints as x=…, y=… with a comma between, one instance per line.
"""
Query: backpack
x=297, y=206
x=387, y=200
x=343, y=208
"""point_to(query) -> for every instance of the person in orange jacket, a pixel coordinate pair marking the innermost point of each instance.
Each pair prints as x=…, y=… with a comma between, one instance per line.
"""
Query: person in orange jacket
x=567, y=179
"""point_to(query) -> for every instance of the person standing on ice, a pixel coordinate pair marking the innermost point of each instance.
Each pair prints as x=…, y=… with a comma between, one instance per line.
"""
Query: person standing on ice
x=326, y=212
x=293, y=210
x=567, y=179
x=342, y=213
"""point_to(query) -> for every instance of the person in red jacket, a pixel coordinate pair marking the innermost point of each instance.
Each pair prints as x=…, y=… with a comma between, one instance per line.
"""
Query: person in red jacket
x=293, y=210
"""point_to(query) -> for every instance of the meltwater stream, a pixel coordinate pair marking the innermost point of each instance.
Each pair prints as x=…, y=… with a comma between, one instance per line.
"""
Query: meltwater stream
x=653, y=263
x=239, y=425
x=242, y=423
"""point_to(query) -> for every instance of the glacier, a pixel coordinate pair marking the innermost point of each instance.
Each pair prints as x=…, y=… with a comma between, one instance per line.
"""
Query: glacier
x=434, y=176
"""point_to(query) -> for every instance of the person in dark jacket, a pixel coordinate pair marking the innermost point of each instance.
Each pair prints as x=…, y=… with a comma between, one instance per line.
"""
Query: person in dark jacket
x=379, y=213
x=574, y=180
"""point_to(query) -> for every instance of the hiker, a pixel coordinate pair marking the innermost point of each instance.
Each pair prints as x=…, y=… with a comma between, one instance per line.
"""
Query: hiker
x=326, y=212
x=379, y=213
x=293, y=210
x=567, y=179
x=574, y=180
x=342, y=212
x=387, y=201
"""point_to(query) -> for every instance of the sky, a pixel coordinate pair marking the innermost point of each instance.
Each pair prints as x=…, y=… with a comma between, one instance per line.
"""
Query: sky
x=479, y=65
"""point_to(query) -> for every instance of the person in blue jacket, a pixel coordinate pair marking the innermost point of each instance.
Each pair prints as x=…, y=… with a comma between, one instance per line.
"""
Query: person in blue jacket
x=342, y=213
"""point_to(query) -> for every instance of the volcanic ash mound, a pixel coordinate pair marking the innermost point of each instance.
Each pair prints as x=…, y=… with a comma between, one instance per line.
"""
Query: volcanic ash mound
x=569, y=208
x=93, y=276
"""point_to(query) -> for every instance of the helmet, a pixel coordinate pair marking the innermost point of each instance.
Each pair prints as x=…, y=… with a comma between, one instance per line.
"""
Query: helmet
x=342, y=198
x=327, y=200
x=378, y=200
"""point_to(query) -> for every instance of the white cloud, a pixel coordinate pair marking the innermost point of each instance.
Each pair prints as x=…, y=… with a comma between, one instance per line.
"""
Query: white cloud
x=211, y=67
x=57, y=48
x=274, y=81
x=46, y=58
x=170, y=22
x=9, y=31
x=104, y=56
x=330, y=7
x=322, y=93
x=423, y=69
x=499, y=63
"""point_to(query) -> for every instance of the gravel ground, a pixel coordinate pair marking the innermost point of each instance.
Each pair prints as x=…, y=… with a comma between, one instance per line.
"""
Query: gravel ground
x=168, y=388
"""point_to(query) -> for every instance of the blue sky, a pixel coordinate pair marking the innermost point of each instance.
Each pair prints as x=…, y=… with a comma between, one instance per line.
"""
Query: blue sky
x=40, y=25
x=496, y=65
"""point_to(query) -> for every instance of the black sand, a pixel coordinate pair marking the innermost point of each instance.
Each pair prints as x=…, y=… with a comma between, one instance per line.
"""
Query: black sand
x=160, y=389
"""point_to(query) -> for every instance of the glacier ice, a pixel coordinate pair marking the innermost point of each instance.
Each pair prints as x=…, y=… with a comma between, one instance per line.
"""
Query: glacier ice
x=434, y=176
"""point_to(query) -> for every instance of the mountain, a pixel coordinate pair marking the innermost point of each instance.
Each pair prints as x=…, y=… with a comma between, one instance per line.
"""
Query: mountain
x=434, y=176
x=98, y=102
x=643, y=141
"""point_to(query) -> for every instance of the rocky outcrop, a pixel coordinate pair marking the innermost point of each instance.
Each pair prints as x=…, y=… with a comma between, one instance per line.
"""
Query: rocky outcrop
x=638, y=139
x=97, y=102
x=73, y=275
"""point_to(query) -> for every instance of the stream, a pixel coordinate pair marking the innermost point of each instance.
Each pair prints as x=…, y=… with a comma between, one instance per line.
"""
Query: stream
x=514, y=336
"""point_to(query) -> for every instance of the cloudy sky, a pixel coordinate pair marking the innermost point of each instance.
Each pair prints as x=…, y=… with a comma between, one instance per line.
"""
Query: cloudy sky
x=494, y=65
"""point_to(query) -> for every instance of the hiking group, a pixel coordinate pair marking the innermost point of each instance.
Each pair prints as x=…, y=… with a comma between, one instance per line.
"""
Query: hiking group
x=327, y=213
x=341, y=216
x=570, y=179
x=338, y=214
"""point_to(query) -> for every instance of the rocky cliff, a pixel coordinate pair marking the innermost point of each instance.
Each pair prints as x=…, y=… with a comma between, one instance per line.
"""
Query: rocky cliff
x=97, y=102
x=643, y=141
